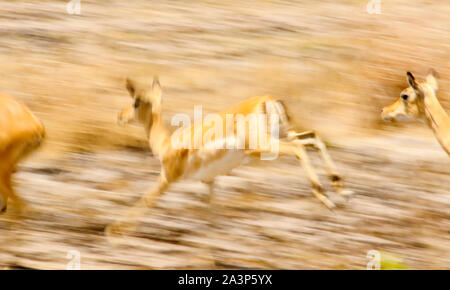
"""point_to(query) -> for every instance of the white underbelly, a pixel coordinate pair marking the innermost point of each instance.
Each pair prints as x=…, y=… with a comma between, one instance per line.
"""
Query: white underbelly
x=213, y=166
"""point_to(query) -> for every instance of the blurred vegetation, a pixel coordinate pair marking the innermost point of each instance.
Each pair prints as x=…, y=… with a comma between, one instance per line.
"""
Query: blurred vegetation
x=391, y=261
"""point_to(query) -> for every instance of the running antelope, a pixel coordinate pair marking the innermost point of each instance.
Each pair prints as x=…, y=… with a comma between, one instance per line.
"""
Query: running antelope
x=419, y=102
x=20, y=134
x=206, y=162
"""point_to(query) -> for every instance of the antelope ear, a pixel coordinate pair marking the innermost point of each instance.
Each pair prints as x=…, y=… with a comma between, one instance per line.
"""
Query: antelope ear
x=156, y=88
x=412, y=81
x=130, y=85
x=432, y=79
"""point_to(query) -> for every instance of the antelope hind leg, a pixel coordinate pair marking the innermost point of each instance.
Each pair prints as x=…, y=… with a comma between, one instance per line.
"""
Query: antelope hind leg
x=299, y=151
x=312, y=139
x=128, y=222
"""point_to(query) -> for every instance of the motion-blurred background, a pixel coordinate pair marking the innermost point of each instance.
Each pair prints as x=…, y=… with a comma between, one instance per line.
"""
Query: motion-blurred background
x=333, y=63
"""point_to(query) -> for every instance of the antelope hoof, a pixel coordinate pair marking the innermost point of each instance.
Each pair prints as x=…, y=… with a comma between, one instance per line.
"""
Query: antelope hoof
x=346, y=193
x=328, y=203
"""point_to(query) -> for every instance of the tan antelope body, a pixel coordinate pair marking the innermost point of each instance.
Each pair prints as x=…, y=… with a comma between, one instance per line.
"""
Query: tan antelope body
x=207, y=161
x=20, y=134
x=419, y=102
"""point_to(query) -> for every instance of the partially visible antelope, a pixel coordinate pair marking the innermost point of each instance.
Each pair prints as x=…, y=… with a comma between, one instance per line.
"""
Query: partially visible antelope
x=20, y=134
x=206, y=162
x=419, y=102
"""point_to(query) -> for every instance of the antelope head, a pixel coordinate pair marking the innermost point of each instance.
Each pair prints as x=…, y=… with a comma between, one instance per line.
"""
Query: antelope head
x=410, y=105
x=146, y=101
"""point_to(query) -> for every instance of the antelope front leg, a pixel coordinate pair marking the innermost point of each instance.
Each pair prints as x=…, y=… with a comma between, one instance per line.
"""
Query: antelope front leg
x=4, y=192
x=299, y=151
x=7, y=193
x=311, y=138
x=128, y=221
x=4, y=205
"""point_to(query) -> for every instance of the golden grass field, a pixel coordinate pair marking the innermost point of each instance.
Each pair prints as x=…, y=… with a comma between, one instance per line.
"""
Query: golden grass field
x=334, y=64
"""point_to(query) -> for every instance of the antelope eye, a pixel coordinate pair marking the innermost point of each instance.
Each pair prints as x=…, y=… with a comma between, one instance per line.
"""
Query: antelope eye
x=137, y=103
x=405, y=97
